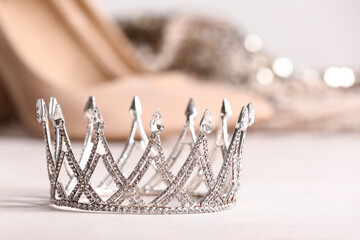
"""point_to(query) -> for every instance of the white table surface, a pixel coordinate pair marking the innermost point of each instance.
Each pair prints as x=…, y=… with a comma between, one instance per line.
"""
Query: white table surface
x=294, y=186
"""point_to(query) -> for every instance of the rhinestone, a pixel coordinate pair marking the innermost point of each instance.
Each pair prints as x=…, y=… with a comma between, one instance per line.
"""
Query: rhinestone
x=55, y=113
x=156, y=123
x=41, y=112
x=206, y=123
x=251, y=110
x=97, y=120
x=172, y=210
x=244, y=119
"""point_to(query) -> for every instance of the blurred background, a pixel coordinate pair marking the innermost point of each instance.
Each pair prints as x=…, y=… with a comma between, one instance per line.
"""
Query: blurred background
x=302, y=56
x=312, y=33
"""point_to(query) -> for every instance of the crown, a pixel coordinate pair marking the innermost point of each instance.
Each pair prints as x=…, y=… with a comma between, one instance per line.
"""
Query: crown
x=192, y=179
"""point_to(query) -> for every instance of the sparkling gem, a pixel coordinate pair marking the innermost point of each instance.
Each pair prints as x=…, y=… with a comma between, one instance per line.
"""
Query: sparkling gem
x=206, y=123
x=251, y=110
x=156, y=123
x=41, y=112
x=55, y=112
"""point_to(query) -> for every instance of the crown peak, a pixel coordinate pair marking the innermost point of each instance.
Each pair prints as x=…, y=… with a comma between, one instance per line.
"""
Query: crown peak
x=191, y=110
x=55, y=112
x=251, y=110
x=226, y=109
x=243, y=121
x=156, y=123
x=52, y=103
x=136, y=108
x=89, y=106
x=41, y=112
x=97, y=120
x=206, y=123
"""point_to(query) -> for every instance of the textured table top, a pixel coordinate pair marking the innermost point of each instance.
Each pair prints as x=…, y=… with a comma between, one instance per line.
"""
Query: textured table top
x=294, y=186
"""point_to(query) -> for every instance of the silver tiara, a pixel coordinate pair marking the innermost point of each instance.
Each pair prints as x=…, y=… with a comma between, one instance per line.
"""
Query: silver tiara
x=193, y=179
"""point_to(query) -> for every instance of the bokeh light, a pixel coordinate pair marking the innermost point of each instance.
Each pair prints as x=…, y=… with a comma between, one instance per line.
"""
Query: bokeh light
x=339, y=77
x=283, y=67
x=253, y=43
x=265, y=76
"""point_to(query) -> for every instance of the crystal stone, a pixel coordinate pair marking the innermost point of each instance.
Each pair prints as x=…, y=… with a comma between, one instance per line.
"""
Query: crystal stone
x=156, y=123
x=207, y=123
x=55, y=112
x=97, y=119
x=41, y=112
x=251, y=110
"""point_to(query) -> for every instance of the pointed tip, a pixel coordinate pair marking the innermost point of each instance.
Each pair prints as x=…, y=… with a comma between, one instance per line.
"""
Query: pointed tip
x=55, y=112
x=41, y=112
x=251, y=110
x=243, y=121
x=52, y=104
x=97, y=119
x=226, y=109
x=136, y=108
x=156, y=123
x=206, y=123
x=89, y=106
x=191, y=110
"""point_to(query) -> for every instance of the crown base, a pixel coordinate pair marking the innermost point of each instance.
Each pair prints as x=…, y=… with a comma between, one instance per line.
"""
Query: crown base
x=87, y=207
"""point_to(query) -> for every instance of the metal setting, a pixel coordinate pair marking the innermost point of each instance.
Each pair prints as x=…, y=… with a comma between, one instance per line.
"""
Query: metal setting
x=154, y=186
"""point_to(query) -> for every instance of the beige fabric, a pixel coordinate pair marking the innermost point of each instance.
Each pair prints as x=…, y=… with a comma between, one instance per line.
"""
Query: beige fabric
x=294, y=186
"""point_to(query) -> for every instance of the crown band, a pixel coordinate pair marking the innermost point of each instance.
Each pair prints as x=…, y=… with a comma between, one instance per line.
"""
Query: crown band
x=133, y=193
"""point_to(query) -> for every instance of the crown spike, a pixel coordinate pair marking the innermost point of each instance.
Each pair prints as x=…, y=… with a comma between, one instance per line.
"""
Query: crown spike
x=55, y=113
x=191, y=111
x=97, y=120
x=41, y=112
x=226, y=109
x=89, y=107
x=251, y=110
x=52, y=103
x=243, y=121
x=136, y=108
x=206, y=123
x=156, y=123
